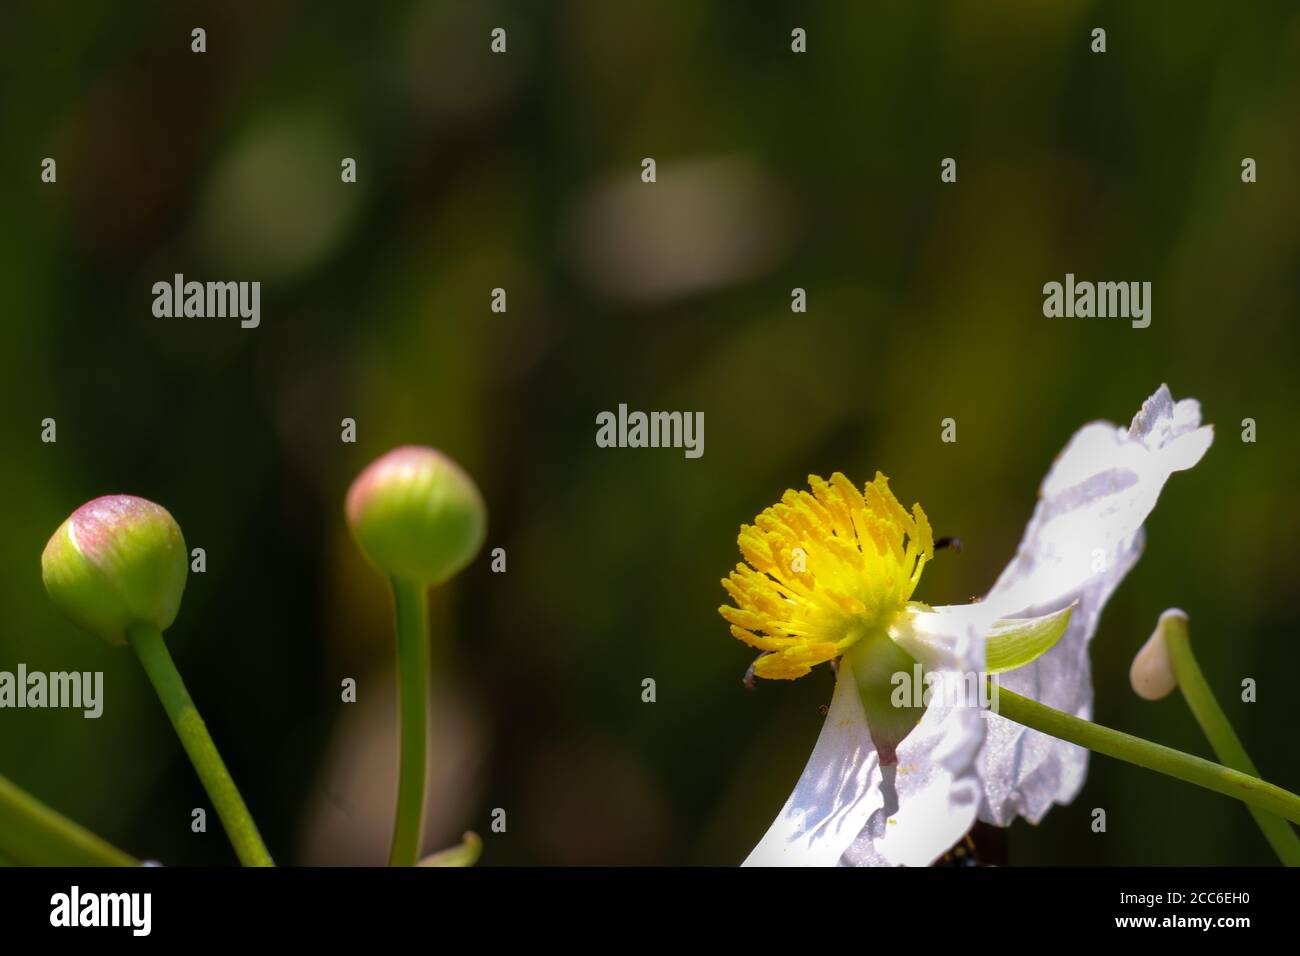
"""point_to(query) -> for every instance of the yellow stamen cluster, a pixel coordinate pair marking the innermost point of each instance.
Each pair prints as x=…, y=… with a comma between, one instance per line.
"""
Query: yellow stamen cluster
x=824, y=570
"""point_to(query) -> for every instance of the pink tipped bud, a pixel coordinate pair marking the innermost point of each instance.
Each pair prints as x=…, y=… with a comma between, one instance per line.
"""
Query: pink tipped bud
x=417, y=515
x=116, y=562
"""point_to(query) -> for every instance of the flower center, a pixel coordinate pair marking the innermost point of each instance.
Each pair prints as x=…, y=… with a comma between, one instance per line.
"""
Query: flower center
x=823, y=571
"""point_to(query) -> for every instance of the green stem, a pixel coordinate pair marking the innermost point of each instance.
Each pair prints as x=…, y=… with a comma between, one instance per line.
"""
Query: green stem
x=1214, y=724
x=1152, y=756
x=152, y=651
x=413, y=704
x=33, y=834
x=465, y=853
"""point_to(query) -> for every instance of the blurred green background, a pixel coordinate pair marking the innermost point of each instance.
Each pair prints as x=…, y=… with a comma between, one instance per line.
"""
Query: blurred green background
x=522, y=171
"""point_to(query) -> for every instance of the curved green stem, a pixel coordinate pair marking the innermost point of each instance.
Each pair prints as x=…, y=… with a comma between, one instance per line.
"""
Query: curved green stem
x=1217, y=729
x=413, y=703
x=36, y=835
x=152, y=651
x=464, y=853
x=1152, y=756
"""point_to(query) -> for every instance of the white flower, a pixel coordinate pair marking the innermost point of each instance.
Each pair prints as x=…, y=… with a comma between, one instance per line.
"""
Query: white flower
x=960, y=762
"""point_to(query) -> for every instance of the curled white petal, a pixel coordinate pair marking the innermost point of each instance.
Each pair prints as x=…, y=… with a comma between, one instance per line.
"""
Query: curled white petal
x=931, y=797
x=848, y=809
x=836, y=794
x=1084, y=536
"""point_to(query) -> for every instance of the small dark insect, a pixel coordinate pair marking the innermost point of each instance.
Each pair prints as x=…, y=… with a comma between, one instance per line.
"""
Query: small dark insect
x=984, y=845
x=948, y=542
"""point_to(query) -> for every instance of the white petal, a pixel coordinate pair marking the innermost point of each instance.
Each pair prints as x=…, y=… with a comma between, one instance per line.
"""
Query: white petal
x=940, y=637
x=932, y=795
x=838, y=791
x=846, y=808
x=1084, y=536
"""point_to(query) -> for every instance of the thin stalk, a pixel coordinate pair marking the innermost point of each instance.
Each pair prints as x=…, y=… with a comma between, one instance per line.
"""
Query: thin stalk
x=36, y=835
x=1217, y=729
x=152, y=651
x=1152, y=756
x=413, y=703
x=465, y=853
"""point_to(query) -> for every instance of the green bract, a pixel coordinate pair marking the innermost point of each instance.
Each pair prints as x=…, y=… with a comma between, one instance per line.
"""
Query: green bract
x=417, y=515
x=117, y=562
x=1015, y=642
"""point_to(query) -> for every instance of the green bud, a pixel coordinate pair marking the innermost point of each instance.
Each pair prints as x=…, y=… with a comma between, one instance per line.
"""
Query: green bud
x=116, y=562
x=417, y=515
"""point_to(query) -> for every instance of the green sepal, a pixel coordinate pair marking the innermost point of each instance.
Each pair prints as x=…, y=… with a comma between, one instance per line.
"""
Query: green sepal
x=1015, y=642
x=881, y=668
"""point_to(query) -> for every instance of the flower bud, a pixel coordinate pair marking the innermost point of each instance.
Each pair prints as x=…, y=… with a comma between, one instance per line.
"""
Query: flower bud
x=1152, y=674
x=116, y=562
x=417, y=515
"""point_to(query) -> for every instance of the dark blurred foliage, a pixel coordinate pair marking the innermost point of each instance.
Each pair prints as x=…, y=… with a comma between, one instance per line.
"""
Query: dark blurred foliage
x=522, y=171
